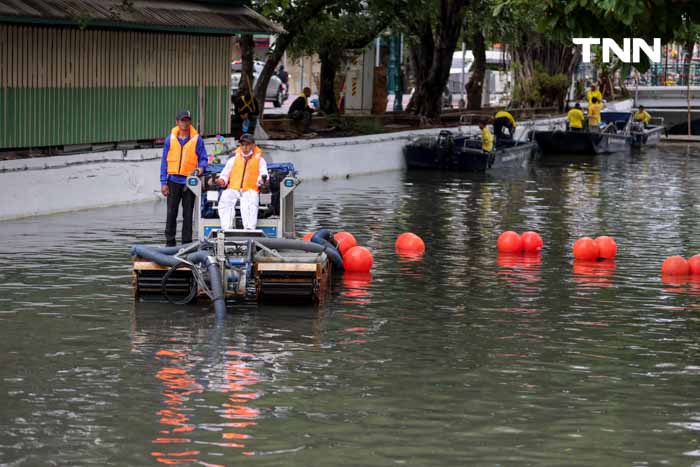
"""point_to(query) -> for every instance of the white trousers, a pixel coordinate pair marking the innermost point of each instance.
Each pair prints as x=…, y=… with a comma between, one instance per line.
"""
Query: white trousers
x=249, y=208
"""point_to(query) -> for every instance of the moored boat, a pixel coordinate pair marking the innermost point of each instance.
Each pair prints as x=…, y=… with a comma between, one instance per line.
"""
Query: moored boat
x=612, y=137
x=464, y=153
x=646, y=135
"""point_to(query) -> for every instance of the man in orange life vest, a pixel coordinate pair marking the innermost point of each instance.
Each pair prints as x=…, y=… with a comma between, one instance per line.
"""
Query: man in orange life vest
x=242, y=176
x=183, y=154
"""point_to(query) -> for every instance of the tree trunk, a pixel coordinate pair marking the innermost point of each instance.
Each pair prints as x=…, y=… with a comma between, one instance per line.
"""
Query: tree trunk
x=475, y=85
x=330, y=62
x=247, y=45
x=273, y=59
x=428, y=97
x=421, y=59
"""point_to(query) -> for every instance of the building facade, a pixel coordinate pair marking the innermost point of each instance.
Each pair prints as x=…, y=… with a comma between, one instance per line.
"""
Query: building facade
x=67, y=80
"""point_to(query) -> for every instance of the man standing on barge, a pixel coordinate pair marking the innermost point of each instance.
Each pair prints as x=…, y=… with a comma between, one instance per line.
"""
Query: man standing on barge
x=183, y=155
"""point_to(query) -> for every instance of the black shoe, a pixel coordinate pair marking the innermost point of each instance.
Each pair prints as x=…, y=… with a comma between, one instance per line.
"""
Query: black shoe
x=169, y=244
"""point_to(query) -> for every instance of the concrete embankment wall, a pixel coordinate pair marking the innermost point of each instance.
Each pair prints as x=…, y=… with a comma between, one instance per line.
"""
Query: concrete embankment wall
x=48, y=185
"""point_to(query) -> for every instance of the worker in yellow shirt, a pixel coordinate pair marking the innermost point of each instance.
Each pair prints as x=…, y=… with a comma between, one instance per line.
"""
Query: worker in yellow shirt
x=642, y=115
x=594, y=114
x=575, y=117
x=486, y=137
x=503, y=120
x=593, y=92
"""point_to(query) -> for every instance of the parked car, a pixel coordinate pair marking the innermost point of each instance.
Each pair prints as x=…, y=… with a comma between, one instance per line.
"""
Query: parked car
x=276, y=91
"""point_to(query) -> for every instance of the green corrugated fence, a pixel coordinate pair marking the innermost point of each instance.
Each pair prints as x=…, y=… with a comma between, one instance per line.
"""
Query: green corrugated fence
x=37, y=117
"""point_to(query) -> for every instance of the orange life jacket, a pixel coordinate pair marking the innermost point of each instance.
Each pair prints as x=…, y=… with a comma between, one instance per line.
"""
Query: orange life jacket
x=245, y=171
x=182, y=160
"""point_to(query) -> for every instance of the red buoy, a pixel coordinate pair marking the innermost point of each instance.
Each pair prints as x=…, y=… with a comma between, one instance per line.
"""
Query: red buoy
x=357, y=259
x=675, y=266
x=586, y=248
x=607, y=247
x=532, y=242
x=509, y=242
x=409, y=243
x=694, y=264
x=307, y=237
x=345, y=241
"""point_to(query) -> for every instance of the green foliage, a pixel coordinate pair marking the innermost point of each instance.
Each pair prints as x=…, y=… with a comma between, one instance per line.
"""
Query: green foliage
x=543, y=90
x=551, y=88
x=618, y=18
x=338, y=32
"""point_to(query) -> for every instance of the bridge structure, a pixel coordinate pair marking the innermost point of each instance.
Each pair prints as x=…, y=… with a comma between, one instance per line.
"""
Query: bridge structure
x=671, y=103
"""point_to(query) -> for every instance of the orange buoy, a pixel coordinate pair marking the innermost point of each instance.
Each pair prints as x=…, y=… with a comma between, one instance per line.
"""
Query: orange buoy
x=357, y=259
x=509, y=242
x=532, y=242
x=307, y=237
x=694, y=264
x=586, y=248
x=675, y=266
x=345, y=241
x=409, y=243
x=607, y=247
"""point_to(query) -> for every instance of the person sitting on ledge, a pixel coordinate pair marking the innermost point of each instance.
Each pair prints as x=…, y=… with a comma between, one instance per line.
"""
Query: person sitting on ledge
x=300, y=109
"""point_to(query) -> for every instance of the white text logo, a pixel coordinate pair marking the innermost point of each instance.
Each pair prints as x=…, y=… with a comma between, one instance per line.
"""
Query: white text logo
x=628, y=53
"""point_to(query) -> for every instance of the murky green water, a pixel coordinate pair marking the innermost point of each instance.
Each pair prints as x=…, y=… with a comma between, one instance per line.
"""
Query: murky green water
x=459, y=359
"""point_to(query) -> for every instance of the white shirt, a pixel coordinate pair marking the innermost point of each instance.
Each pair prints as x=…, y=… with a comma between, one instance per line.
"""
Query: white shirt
x=229, y=166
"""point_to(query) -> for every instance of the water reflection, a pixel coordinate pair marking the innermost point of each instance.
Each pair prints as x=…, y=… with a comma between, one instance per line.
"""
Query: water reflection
x=591, y=274
x=502, y=360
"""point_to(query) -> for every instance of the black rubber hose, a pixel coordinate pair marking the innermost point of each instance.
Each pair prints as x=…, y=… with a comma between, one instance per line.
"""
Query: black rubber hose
x=324, y=234
x=290, y=244
x=164, y=289
x=154, y=254
x=215, y=284
x=168, y=250
x=323, y=237
x=199, y=257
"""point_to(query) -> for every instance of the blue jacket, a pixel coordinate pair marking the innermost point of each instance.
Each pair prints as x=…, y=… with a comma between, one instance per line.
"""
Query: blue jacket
x=201, y=156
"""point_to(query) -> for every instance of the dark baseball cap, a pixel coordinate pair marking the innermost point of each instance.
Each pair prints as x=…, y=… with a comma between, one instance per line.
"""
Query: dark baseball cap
x=247, y=138
x=183, y=114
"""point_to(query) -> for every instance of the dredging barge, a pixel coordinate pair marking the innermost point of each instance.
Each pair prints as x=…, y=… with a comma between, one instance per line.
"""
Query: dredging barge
x=234, y=265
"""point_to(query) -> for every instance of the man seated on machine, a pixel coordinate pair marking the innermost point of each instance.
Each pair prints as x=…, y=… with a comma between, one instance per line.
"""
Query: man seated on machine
x=242, y=176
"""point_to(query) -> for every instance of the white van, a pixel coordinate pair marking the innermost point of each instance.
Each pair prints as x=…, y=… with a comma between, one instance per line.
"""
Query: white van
x=496, y=82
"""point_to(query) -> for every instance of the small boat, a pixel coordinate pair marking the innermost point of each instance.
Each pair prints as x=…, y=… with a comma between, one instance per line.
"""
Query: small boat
x=462, y=152
x=612, y=137
x=646, y=135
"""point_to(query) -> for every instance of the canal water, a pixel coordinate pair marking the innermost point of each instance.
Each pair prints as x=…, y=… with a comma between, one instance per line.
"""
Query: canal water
x=459, y=358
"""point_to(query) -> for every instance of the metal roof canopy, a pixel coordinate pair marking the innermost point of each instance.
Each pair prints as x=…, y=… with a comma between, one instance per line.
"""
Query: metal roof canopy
x=176, y=16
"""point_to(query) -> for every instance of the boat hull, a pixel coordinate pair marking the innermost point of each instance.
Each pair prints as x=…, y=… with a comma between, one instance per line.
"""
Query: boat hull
x=459, y=156
x=580, y=143
x=646, y=137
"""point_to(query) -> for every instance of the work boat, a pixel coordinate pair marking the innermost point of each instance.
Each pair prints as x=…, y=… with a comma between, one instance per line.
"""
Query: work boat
x=646, y=135
x=463, y=152
x=236, y=264
x=612, y=136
